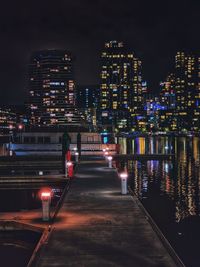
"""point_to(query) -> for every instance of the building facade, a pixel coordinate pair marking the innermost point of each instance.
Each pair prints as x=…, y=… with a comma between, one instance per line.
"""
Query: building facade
x=8, y=121
x=88, y=103
x=52, y=89
x=187, y=89
x=121, y=100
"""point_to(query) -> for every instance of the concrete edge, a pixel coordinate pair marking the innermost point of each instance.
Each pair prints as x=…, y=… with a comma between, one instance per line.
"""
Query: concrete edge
x=157, y=230
x=36, y=253
x=12, y=224
x=48, y=230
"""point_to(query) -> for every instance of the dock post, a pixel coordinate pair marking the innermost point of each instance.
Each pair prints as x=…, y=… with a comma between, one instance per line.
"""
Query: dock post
x=68, y=169
x=46, y=200
x=124, y=176
x=110, y=161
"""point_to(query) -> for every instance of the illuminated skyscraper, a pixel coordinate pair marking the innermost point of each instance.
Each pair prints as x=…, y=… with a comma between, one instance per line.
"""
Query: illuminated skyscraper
x=187, y=89
x=87, y=100
x=51, y=88
x=167, y=95
x=121, y=88
x=167, y=113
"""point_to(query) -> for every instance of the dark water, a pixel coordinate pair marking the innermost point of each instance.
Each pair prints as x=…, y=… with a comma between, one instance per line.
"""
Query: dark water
x=170, y=190
x=16, y=247
x=27, y=197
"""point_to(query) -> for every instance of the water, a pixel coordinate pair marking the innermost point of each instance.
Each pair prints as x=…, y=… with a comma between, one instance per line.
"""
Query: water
x=170, y=190
x=27, y=197
x=16, y=247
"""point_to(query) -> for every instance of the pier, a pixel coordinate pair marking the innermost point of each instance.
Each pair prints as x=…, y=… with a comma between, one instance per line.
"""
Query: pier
x=97, y=226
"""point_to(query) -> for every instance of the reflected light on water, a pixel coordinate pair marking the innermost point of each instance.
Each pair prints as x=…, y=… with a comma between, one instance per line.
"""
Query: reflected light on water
x=170, y=191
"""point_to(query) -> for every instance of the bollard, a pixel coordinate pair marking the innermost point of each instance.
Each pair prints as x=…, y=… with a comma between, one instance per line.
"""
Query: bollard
x=76, y=156
x=105, y=154
x=68, y=171
x=68, y=155
x=124, y=176
x=110, y=161
x=46, y=200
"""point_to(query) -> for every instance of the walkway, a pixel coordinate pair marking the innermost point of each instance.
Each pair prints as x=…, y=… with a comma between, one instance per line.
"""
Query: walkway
x=97, y=226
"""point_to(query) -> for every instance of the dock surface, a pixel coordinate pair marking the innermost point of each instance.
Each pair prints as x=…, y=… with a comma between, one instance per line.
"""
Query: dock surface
x=97, y=226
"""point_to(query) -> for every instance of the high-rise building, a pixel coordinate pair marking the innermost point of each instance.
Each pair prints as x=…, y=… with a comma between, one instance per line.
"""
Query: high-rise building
x=8, y=120
x=187, y=89
x=87, y=101
x=167, y=94
x=87, y=96
x=167, y=114
x=121, y=88
x=52, y=89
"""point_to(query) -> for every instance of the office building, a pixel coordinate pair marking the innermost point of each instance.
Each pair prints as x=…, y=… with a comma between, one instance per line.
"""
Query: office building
x=187, y=89
x=121, y=88
x=52, y=89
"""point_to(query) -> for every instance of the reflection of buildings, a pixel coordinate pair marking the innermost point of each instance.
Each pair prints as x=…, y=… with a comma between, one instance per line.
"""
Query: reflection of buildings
x=121, y=88
x=51, y=88
x=176, y=182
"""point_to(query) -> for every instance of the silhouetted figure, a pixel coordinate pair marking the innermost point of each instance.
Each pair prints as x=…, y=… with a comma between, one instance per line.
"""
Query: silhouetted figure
x=79, y=144
x=66, y=140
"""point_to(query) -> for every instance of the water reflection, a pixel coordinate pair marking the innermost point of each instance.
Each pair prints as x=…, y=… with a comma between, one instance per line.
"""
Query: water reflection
x=170, y=189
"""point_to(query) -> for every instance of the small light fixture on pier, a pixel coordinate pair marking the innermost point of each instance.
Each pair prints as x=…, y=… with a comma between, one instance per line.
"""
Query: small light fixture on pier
x=106, y=153
x=110, y=161
x=124, y=177
x=68, y=169
x=45, y=196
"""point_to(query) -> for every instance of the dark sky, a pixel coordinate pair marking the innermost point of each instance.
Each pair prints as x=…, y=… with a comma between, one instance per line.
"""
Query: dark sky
x=154, y=30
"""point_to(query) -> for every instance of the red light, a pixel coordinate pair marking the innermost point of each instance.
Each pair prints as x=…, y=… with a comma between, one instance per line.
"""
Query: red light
x=69, y=163
x=45, y=194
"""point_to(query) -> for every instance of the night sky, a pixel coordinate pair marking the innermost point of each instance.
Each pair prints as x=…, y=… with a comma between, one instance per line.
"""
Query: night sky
x=153, y=30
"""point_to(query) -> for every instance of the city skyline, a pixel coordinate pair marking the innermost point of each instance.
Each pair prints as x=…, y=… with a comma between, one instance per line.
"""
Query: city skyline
x=155, y=32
